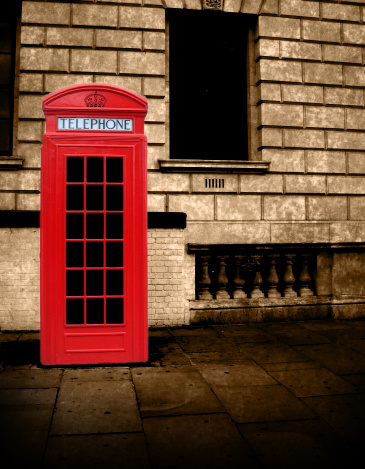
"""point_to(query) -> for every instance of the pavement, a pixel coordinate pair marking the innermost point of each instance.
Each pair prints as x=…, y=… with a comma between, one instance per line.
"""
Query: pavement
x=268, y=395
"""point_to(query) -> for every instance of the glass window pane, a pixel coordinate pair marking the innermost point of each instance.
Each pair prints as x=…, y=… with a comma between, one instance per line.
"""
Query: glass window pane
x=95, y=254
x=94, y=197
x=95, y=311
x=75, y=169
x=75, y=254
x=114, y=169
x=5, y=67
x=4, y=103
x=94, y=282
x=114, y=282
x=74, y=282
x=114, y=310
x=114, y=254
x=4, y=135
x=75, y=198
x=114, y=225
x=95, y=225
x=74, y=225
x=75, y=311
x=95, y=169
x=114, y=197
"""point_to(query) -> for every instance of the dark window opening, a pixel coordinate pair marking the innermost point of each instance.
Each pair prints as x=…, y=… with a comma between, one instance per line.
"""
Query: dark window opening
x=208, y=86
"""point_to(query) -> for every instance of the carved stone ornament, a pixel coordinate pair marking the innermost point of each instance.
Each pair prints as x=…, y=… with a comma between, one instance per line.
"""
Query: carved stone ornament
x=213, y=4
x=95, y=100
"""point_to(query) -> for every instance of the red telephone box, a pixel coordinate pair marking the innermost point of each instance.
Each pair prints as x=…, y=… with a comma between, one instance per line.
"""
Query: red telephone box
x=94, y=227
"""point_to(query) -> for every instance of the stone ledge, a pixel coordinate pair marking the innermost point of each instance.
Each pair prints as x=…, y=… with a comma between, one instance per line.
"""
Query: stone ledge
x=10, y=163
x=214, y=166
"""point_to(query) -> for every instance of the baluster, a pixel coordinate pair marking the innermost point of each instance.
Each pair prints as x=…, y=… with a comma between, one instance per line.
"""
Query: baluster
x=288, y=277
x=257, y=281
x=222, y=280
x=273, y=278
x=238, y=281
x=205, y=281
x=304, y=277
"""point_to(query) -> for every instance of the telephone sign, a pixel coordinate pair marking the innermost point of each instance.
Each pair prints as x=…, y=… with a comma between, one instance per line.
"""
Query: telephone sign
x=94, y=227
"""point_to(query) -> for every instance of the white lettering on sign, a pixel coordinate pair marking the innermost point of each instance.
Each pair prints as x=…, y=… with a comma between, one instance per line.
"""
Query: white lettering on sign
x=96, y=123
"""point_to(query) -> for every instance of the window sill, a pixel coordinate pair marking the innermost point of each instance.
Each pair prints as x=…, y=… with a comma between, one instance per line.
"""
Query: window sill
x=10, y=163
x=214, y=166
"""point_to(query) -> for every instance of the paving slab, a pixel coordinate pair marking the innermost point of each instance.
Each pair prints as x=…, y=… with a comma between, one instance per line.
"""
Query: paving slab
x=313, y=382
x=105, y=451
x=96, y=407
x=300, y=445
x=197, y=344
x=346, y=414
x=173, y=390
x=261, y=403
x=246, y=373
x=217, y=357
x=30, y=378
x=310, y=364
x=271, y=352
x=357, y=380
x=356, y=344
x=165, y=351
x=293, y=334
x=335, y=357
x=20, y=397
x=197, y=442
x=188, y=331
x=96, y=374
x=243, y=333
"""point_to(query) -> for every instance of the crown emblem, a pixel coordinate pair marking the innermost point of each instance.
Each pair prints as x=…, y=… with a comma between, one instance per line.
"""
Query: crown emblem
x=95, y=100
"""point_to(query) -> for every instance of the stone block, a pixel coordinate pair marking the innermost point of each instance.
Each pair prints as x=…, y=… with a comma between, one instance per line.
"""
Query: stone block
x=238, y=207
x=302, y=93
x=118, y=39
x=56, y=60
x=158, y=182
x=261, y=183
x=155, y=153
x=342, y=54
x=215, y=182
x=7, y=201
x=327, y=208
x=267, y=48
x=356, y=163
x=330, y=74
x=31, y=152
x=69, y=37
x=156, y=203
x=156, y=110
x=154, y=86
x=31, y=82
x=299, y=8
x=281, y=115
x=270, y=6
x=30, y=106
x=284, y=160
x=174, y=3
x=325, y=117
x=22, y=180
x=296, y=184
x=353, y=34
x=284, y=207
x=348, y=275
x=346, y=185
x=28, y=202
x=193, y=4
x=331, y=11
x=46, y=13
x=141, y=63
x=326, y=161
x=94, y=15
x=299, y=233
x=53, y=82
x=32, y=35
x=228, y=233
x=346, y=140
x=357, y=208
x=250, y=7
x=304, y=138
x=271, y=137
x=275, y=70
x=347, y=232
x=197, y=207
x=269, y=92
x=131, y=83
x=29, y=131
x=354, y=76
x=153, y=40
x=141, y=18
x=155, y=133
x=355, y=119
x=94, y=61
x=300, y=50
x=269, y=26
x=343, y=96
x=232, y=6
x=321, y=31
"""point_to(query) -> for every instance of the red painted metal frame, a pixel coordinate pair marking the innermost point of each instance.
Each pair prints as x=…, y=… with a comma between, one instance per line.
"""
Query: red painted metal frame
x=104, y=343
